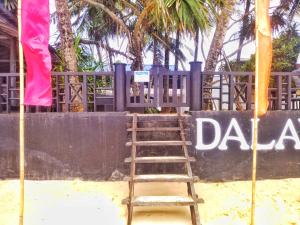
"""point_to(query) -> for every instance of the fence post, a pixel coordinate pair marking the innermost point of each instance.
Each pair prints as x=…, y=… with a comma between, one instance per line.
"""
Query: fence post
x=249, y=92
x=85, y=93
x=196, y=86
x=1, y=109
x=289, y=92
x=279, y=92
x=230, y=92
x=119, y=87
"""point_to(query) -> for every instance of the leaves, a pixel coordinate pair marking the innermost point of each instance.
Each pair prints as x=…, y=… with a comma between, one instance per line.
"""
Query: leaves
x=11, y=4
x=285, y=52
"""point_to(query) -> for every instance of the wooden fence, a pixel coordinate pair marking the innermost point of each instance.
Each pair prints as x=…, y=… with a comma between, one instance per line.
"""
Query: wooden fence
x=235, y=90
x=94, y=90
x=117, y=91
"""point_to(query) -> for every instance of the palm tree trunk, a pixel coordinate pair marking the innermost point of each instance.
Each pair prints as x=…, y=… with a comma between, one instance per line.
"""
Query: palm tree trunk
x=109, y=54
x=196, y=45
x=167, y=51
x=136, y=51
x=216, y=47
x=177, y=42
x=99, y=53
x=137, y=63
x=100, y=60
x=165, y=78
x=155, y=52
x=243, y=31
x=68, y=51
x=219, y=36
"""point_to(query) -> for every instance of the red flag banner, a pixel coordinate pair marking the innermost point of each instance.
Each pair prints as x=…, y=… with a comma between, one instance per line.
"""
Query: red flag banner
x=35, y=39
x=263, y=53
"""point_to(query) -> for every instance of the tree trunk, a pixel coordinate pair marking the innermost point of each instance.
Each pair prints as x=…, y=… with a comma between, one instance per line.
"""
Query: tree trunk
x=136, y=51
x=177, y=42
x=167, y=52
x=243, y=30
x=239, y=106
x=68, y=51
x=99, y=53
x=109, y=54
x=103, y=78
x=216, y=47
x=165, y=78
x=219, y=36
x=155, y=52
x=137, y=63
x=196, y=45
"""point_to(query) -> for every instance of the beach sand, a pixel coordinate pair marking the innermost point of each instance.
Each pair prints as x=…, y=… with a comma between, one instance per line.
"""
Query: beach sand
x=78, y=202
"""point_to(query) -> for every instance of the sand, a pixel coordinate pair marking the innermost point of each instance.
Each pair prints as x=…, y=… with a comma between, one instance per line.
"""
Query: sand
x=79, y=202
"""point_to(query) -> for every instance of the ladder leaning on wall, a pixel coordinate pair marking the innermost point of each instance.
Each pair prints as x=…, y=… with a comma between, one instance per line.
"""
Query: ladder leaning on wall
x=190, y=200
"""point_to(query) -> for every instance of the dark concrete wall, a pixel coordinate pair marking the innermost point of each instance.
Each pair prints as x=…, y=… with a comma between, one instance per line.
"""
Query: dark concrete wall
x=64, y=145
x=92, y=146
x=236, y=164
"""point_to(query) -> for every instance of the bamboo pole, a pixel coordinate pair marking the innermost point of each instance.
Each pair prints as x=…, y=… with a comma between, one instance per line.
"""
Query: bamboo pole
x=21, y=125
x=255, y=126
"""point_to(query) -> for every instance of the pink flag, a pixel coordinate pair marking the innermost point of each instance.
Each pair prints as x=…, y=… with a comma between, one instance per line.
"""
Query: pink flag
x=35, y=39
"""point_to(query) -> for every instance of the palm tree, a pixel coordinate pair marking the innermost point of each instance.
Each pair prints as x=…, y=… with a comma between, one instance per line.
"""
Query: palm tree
x=68, y=51
x=216, y=46
x=290, y=7
x=219, y=36
x=244, y=30
x=97, y=24
x=163, y=15
x=66, y=35
x=281, y=17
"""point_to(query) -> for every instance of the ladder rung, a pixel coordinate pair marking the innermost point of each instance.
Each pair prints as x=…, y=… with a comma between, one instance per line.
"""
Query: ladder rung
x=162, y=178
x=161, y=201
x=161, y=159
x=159, y=143
x=155, y=129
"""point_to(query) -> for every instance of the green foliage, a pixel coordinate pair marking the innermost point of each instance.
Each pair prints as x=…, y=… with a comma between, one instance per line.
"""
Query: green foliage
x=286, y=49
x=285, y=52
x=85, y=59
x=187, y=14
x=249, y=65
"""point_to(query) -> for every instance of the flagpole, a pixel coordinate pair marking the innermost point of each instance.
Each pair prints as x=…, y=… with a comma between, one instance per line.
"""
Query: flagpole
x=21, y=122
x=255, y=126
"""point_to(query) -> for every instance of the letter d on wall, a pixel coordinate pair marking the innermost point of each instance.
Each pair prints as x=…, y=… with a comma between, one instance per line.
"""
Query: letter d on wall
x=217, y=134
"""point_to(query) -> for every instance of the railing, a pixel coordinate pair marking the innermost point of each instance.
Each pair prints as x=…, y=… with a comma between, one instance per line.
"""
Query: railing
x=9, y=92
x=94, y=90
x=117, y=91
x=165, y=89
x=235, y=91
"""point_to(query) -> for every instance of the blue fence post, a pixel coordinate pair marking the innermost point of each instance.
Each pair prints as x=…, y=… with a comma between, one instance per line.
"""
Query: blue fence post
x=196, y=86
x=120, y=87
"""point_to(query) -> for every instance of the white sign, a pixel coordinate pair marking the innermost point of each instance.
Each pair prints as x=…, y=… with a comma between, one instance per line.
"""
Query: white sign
x=141, y=76
x=235, y=133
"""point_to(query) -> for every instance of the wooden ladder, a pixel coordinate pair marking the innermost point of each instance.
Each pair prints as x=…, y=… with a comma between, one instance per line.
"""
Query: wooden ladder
x=190, y=200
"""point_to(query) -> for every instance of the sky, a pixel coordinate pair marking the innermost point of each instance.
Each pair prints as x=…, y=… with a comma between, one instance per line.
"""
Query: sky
x=248, y=50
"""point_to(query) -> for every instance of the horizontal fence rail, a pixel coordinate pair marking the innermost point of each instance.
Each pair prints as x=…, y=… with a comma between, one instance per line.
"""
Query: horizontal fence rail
x=97, y=91
x=94, y=91
x=235, y=91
